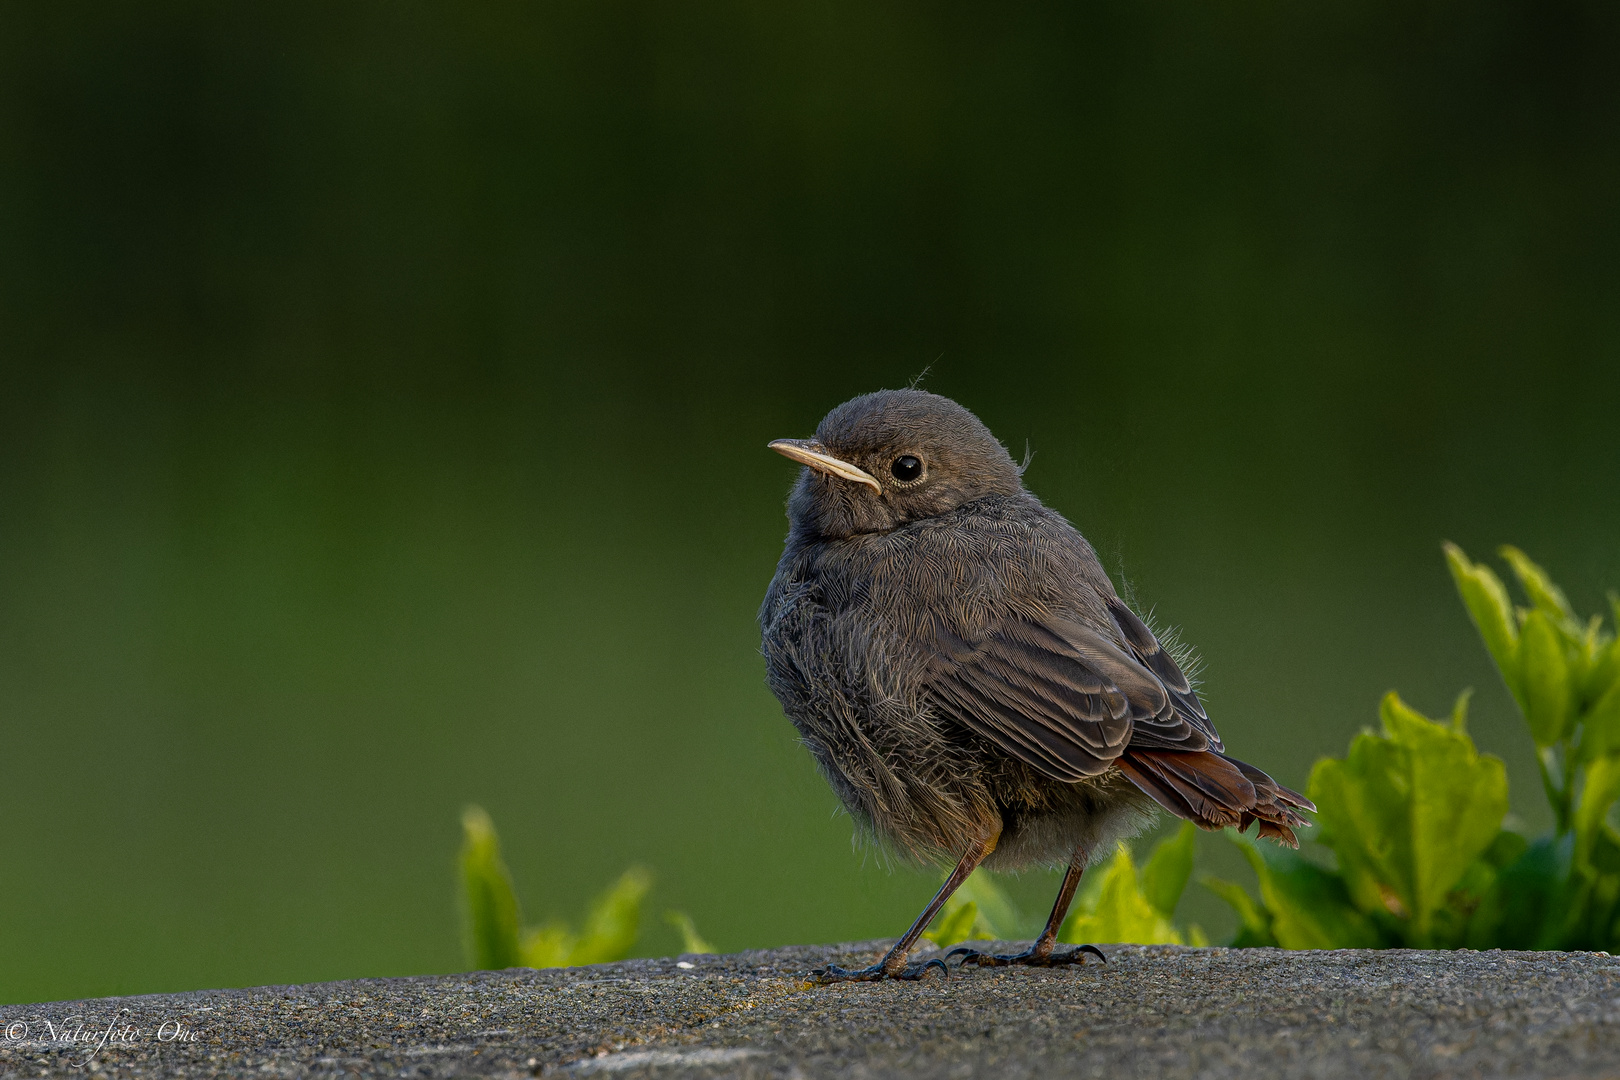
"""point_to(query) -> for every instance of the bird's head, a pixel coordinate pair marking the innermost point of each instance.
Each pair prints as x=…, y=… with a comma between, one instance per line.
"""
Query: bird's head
x=885, y=459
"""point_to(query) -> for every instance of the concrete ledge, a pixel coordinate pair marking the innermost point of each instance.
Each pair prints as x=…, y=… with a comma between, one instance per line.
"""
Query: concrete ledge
x=1150, y=1012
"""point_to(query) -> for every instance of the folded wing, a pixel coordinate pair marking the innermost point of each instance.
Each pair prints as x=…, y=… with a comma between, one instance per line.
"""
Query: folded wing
x=1073, y=701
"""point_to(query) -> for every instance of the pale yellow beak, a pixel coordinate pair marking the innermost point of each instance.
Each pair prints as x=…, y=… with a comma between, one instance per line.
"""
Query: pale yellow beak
x=808, y=452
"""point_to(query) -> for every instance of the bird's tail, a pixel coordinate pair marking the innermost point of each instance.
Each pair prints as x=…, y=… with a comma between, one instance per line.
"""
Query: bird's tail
x=1215, y=791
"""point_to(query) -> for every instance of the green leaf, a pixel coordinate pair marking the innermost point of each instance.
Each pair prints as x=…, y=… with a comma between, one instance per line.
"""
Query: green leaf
x=955, y=924
x=1407, y=812
x=998, y=918
x=691, y=940
x=1459, y=798
x=1310, y=907
x=1592, y=659
x=550, y=945
x=1487, y=602
x=1505, y=849
x=1118, y=912
x=1545, y=595
x=1605, y=853
x=490, y=915
x=613, y=920
x=492, y=920
x=1364, y=807
x=1165, y=874
x=1544, y=675
x=1168, y=868
x=989, y=914
x=1597, y=796
x=1597, y=930
x=1528, y=906
x=1254, y=922
x=1602, y=683
x=1601, y=734
x=1459, y=711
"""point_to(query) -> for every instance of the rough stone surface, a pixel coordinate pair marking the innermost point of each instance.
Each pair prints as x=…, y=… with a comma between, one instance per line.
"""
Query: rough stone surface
x=1149, y=1012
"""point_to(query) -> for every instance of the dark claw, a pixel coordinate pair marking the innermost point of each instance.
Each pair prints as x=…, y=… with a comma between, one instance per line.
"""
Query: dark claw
x=832, y=973
x=1028, y=958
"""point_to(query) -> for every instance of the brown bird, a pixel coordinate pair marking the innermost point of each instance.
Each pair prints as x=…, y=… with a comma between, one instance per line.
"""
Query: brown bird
x=961, y=669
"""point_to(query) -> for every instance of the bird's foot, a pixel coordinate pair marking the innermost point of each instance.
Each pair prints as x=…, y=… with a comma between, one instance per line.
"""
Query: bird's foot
x=832, y=973
x=1033, y=956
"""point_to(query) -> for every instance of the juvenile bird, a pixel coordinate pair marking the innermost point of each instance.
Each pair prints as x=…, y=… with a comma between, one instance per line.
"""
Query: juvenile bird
x=961, y=669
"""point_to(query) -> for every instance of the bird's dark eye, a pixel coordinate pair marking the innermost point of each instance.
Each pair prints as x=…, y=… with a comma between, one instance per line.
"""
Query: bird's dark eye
x=906, y=468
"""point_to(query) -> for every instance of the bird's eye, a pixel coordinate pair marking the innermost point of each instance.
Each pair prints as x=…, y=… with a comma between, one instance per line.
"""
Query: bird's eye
x=906, y=468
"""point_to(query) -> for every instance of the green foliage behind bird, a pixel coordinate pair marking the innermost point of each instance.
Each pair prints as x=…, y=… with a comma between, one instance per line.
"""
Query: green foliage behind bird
x=492, y=920
x=1117, y=903
x=1414, y=814
x=1413, y=818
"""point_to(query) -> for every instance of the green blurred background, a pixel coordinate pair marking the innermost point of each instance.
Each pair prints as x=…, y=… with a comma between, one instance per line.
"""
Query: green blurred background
x=386, y=385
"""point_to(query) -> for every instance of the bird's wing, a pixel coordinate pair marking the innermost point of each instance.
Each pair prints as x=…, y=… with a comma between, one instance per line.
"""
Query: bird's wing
x=1153, y=656
x=1062, y=696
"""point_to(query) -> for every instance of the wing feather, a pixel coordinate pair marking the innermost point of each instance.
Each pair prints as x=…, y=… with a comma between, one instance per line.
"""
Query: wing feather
x=1158, y=660
x=1073, y=701
x=1068, y=697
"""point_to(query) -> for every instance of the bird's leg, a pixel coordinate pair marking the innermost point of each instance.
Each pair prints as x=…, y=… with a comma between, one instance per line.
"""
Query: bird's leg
x=1042, y=953
x=893, y=965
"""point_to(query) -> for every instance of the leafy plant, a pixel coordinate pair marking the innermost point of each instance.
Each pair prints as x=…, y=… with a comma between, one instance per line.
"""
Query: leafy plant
x=1414, y=814
x=1562, y=890
x=1301, y=906
x=1116, y=904
x=609, y=933
x=1120, y=905
x=491, y=922
x=494, y=935
x=979, y=911
x=1410, y=814
x=1413, y=818
x=691, y=940
x=1563, y=673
